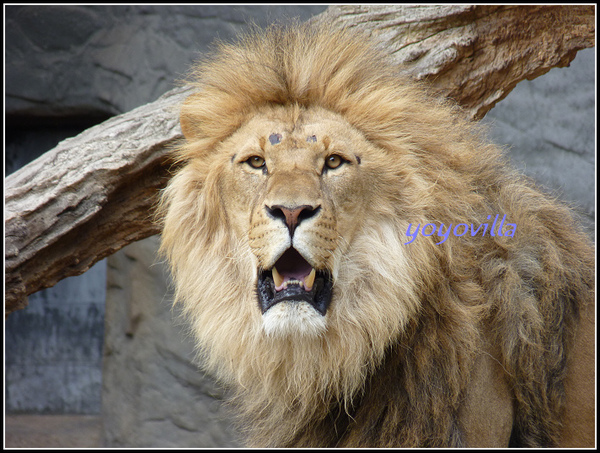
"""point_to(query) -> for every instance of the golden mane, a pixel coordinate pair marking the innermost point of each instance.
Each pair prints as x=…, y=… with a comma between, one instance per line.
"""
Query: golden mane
x=412, y=320
x=308, y=67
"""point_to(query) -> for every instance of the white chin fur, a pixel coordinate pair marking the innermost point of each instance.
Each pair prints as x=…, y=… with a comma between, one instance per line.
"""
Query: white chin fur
x=293, y=319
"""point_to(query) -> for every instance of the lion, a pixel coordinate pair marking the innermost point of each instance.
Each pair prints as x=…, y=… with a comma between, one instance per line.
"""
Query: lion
x=306, y=159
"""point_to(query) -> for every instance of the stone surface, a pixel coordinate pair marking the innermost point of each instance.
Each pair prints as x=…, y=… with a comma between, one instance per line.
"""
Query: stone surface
x=54, y=348
x=153, y=393
x=105, y=60
x=53, y=431
x=547, y=126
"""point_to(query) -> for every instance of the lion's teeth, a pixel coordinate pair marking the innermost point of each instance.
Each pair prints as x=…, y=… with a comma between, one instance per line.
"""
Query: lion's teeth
x=277, y=278
x=309, y=281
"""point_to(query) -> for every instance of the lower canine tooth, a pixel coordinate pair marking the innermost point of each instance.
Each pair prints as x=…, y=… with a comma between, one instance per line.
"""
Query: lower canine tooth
x=309, y=281
x=277, y=278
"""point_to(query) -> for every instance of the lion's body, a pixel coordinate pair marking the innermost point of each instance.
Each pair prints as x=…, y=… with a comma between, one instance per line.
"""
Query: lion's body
x=306, y=143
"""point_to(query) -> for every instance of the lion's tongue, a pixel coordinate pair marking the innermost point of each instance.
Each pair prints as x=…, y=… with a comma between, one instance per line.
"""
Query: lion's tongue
x=292, y=268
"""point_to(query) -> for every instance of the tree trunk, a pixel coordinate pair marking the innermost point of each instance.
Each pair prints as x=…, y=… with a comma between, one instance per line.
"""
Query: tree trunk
x=94, y=193
x=87, y=198
x=475, y=55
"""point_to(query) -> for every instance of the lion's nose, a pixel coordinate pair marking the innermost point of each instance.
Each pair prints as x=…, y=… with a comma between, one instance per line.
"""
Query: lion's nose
x=292, y=216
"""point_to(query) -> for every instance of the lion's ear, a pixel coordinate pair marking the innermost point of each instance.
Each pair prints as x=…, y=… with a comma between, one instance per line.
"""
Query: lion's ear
x=186, y=126
x=187, y=118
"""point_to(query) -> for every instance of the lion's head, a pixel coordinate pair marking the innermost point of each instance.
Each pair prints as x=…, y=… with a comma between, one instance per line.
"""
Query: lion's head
x=306, y=157
x=301, y=189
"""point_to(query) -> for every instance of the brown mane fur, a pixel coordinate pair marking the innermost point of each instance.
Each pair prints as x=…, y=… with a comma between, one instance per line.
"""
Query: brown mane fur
x=521, y=296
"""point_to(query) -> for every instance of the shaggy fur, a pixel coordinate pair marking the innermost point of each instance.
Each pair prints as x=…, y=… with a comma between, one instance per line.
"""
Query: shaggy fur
x=394, y=359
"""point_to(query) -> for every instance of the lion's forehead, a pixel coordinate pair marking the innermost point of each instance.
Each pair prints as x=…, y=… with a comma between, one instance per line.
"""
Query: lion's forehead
x=282, y=128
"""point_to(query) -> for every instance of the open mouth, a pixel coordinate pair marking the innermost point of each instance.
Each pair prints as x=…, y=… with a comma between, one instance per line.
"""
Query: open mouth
x=293, y=279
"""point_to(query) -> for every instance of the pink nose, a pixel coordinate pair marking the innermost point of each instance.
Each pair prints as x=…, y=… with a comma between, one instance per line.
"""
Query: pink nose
x=292, y=216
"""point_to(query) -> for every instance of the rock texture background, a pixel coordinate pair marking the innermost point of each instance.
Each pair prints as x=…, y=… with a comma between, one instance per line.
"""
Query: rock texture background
x=69, y=67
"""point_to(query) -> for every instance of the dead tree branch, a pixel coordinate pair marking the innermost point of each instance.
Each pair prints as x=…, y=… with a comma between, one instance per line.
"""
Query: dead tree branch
x=94, y=193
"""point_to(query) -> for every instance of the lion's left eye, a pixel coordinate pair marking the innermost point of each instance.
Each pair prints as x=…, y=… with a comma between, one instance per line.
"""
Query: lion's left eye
x=334, y=161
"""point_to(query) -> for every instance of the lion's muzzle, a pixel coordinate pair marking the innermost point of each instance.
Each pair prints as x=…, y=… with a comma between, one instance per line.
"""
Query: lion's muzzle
x=293, y=279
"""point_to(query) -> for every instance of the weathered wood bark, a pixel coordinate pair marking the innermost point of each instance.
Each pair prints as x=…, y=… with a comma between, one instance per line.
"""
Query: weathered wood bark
x=93, y=194
x=86, y=198
x=473, y=54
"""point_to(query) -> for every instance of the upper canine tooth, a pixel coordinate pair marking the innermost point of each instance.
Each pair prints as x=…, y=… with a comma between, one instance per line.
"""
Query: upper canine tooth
x=277, y=278
x=309, y=281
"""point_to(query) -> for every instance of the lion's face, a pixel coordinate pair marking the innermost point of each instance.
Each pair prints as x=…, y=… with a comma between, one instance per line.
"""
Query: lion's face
x=286, y=244
x=297, y=191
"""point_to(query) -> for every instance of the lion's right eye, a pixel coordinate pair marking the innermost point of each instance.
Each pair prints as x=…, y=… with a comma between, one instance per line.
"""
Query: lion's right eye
x=256, y=161
x=334, y=161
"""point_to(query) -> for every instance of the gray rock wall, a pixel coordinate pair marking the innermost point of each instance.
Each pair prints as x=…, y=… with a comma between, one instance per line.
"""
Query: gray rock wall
x=548, y=128
x=104, y=60
x=153, y=394
x=53, y=348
